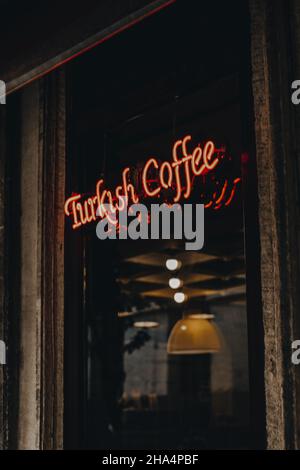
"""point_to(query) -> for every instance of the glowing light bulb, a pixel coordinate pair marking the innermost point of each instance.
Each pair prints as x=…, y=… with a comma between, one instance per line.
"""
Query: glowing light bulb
x=146, y=324
x=173, y=264
x=179, y=297
x=174, y=283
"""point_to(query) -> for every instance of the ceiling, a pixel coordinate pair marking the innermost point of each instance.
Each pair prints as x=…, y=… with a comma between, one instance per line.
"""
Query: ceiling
x=212, y=276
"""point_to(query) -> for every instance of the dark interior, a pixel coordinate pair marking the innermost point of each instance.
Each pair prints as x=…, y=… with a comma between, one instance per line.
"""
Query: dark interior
x=179, y=72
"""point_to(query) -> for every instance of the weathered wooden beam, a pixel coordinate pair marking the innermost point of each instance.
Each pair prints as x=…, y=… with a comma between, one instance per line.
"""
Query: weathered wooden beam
x=89, y=29
x=278, y=177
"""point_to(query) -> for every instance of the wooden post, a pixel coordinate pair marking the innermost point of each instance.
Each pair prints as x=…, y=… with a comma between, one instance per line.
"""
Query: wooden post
x=278, y=185
x=40, y=423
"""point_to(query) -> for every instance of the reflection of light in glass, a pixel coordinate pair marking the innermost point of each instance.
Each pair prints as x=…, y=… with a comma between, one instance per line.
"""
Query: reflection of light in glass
x=146, y=324
x=179, y=297
x=173, y=264
x=125, y=314
x=174, y=283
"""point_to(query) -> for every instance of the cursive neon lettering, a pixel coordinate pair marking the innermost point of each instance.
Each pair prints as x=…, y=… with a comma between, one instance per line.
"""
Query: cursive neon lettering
x=176, y=176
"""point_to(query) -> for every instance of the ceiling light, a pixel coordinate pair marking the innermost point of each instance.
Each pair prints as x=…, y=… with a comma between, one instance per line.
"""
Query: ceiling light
x=126, y=314
x=179, y=297
x=194, y=335
x=145, y=324
x=173, y=264
x=203, y=316
x=175, y=283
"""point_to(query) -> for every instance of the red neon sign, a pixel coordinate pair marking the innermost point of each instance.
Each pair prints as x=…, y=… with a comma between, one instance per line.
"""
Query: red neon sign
x=177, y=176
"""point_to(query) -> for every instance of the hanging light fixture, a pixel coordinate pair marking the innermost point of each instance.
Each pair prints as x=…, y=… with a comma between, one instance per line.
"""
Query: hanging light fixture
x=175, y=283
x=179, y=297
x=194, y=334
x=144, y=325
x=173, y=264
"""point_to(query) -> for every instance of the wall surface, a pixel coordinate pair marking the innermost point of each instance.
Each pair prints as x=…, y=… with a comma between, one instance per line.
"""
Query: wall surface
x=274, y=65
x=32, y=267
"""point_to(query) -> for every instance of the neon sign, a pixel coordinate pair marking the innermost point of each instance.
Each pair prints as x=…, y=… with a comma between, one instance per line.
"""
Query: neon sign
x=177, y=177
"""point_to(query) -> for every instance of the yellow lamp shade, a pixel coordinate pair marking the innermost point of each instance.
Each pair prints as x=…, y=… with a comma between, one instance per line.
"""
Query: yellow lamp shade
x=194, y=335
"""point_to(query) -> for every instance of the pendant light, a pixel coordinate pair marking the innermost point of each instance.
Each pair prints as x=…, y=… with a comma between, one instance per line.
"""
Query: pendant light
x=194, y=334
